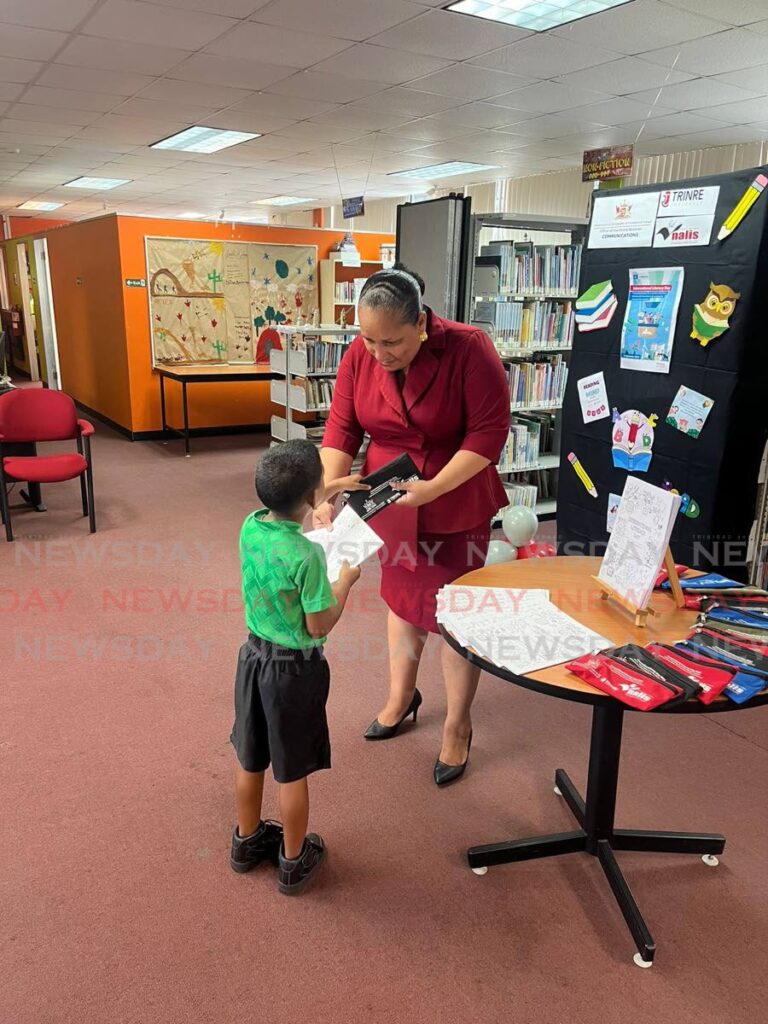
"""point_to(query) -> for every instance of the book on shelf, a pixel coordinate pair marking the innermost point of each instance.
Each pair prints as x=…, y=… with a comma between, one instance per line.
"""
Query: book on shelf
x=538, y=382
x=530, y=268
x=532, y=322
x=319, y=392
x=322, y=356
x=521, y=494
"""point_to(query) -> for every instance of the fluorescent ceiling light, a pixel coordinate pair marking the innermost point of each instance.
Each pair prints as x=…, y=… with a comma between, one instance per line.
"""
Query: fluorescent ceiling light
x=535, y=15
x=281, y=201
x=443, y=170
x=34, y=204
x=96, y=184
x=199, y=139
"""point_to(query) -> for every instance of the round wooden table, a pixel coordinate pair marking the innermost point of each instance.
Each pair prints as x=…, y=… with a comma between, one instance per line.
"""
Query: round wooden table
x=574, y=592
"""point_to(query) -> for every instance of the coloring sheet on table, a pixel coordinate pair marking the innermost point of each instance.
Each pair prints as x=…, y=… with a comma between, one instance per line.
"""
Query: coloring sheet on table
x=521, y=631
x=351, y=540
x=639, y=540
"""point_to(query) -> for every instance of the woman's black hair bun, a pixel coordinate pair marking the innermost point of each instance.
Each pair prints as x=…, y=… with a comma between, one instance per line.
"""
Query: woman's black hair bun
x=407, y=270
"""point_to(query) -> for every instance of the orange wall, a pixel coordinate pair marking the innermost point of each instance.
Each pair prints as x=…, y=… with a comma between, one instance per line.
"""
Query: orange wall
x=84, y=261
x=209, y=404
x=32, y=225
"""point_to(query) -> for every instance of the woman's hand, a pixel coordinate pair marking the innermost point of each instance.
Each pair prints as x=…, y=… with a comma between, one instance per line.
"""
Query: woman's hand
x=417, y=492
x=322, y=516
x=346, y=483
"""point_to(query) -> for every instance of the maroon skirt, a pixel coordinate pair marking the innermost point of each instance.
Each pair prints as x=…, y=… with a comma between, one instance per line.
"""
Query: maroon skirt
x=440, y=559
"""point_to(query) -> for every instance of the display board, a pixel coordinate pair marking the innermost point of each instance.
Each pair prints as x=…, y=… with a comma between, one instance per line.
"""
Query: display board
x=219, y=302
x=685, y=366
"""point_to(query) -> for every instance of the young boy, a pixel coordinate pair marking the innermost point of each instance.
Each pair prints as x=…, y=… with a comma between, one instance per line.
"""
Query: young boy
x=282, y=679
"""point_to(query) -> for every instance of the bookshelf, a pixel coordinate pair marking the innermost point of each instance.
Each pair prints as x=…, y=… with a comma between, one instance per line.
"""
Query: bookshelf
x=521, y=290
x=307, y=365
x=340, y=286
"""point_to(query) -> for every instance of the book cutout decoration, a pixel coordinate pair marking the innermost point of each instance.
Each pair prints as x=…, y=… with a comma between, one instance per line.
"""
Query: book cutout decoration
x=711, y=317
x=632, y=440
x=595, y=308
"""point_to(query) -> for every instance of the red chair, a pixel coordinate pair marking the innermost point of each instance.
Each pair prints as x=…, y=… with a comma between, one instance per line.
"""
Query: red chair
x=30, y=415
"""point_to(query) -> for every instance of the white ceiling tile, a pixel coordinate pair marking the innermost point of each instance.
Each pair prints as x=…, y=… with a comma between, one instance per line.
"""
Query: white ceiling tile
x=728, y=51
x=446, y=34
x=737, y=12
x=549, y=97
x=726, y=135
x=138, y=22
x=118, y=83
x=358, y=117
x=425, y=130
x=10, y=90
x=597, y=137
x=18, y=70
x=117, y=55
x=760, y=26
x=751, y=111
x=290, y=47
x=76, y=98
x=621, y=109
x=282, y=106
x=408, y=102
x=146, y=108
x=29, y=43
x=46, y=13
x=470, y=83
x=229, y=71
x=627, y=75
x=347, y=19
x=695, y=95
x=682, y=123
x=249, y=121
x=550, y=126
x=230, y=8
x=204, y=94
x=311, y=134
x=544, y=55
x=335, y=88
x=133, y=130
x=28, y=126
x=63, y=116
x=754, y=79
x=637, y=26
x=379, y=64
x=480, y=115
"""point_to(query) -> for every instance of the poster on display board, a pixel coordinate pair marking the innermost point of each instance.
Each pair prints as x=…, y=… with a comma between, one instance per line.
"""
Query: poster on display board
x=648, y=332
x=623, y=221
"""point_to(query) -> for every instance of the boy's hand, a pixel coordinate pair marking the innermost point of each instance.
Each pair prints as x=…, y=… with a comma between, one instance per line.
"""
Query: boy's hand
x=322, y=516
x=349, y=575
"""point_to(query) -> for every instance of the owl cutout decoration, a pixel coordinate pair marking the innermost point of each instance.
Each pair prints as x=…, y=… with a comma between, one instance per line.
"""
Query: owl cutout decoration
x=632, y=440
x=710, y=317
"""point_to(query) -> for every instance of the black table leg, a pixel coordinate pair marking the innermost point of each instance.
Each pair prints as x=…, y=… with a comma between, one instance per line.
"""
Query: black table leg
x=597, y=835
x=186, y=417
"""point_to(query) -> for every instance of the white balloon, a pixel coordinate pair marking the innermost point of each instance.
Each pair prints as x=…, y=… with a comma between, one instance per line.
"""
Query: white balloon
x=519, y=525
x=499, y=551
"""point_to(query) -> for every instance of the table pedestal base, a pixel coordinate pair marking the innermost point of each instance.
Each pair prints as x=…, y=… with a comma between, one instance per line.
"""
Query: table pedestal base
x=596, y=834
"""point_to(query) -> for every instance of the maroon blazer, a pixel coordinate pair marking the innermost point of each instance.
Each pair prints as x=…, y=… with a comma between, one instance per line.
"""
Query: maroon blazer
x=455, y=398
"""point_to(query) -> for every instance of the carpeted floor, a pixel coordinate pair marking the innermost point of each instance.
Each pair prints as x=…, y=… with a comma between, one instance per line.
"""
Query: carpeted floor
x=117, y=901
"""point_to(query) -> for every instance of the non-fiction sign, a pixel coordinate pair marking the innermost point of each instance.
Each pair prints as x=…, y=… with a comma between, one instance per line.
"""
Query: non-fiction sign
x=623, y=221
x=605, y=164
x=354, y=207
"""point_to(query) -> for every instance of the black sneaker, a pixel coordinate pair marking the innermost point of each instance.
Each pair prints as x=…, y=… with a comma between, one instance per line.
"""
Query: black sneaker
x=294, y=874
x=264, y=844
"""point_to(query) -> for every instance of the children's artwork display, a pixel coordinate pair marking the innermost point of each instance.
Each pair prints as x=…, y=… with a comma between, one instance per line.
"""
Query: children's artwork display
x=219, y=302
x=650, y=318
x=710, y=317
x=688, y=413
x=632, y=440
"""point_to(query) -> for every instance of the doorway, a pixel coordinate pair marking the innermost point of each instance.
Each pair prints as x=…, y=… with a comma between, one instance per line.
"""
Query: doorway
x=45, y=319
x=28, y=312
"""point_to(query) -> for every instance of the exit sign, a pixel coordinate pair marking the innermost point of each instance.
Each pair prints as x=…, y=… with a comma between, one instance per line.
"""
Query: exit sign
x=135, y=282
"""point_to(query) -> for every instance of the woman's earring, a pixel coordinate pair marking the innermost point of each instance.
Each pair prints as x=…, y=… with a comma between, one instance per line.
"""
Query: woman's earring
x=423, y=336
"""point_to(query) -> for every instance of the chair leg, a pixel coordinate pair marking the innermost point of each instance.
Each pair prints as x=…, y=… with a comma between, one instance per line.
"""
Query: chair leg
x=89, y=489
x=4, y=506
x=83, y=491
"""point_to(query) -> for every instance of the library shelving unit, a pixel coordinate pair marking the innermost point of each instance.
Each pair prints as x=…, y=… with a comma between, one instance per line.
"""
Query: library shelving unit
x=307, y=365
x=340, y=286
x=521, y=290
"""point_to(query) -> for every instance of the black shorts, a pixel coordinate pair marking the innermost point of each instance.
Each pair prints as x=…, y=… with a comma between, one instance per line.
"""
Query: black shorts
x=280, y=697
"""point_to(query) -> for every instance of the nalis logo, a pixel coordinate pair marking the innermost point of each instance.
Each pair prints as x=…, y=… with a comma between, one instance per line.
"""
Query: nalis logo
x=678, y=234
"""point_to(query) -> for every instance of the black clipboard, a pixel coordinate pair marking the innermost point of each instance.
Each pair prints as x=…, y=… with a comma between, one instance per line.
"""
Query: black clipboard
x=367, y=504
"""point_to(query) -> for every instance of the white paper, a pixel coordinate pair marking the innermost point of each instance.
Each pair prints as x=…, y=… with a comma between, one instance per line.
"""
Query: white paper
x=351, y=540
x=672, y=232
x=519, y=630
x=622, y=221
x=639, y=540
x=593, y=397
x=614, y=500
x=688, y=202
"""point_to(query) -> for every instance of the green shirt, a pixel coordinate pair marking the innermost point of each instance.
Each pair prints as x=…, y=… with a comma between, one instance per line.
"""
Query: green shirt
x=284, y=577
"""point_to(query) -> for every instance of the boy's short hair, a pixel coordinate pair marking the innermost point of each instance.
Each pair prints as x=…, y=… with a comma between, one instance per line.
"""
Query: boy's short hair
x=287, y=474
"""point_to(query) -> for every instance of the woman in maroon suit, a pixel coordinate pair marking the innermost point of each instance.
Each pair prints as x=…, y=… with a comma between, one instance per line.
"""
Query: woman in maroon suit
x=437, y=390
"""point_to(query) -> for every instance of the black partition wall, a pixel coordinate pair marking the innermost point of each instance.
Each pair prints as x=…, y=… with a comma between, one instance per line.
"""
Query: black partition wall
x=719, y=469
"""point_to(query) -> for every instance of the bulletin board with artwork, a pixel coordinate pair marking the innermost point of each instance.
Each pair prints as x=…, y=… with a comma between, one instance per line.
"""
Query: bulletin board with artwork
x=679, y=370
x=220, y=302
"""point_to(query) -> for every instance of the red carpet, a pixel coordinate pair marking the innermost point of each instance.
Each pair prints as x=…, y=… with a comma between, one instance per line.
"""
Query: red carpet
x=118, y=904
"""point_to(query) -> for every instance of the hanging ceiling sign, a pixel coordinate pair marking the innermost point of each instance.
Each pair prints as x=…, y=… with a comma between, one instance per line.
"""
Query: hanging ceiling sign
x=354, y=207
x=604, y=164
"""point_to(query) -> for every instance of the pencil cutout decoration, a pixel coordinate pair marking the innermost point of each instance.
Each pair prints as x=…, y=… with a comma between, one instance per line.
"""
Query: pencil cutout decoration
x=582, y=474
x=742, y=208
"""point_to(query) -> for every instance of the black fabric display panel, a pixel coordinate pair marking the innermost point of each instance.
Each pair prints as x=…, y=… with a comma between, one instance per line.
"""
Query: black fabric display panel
x=720, y=468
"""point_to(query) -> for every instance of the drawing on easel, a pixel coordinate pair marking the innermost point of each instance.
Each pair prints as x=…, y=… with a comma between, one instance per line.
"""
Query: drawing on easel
x=220, y=302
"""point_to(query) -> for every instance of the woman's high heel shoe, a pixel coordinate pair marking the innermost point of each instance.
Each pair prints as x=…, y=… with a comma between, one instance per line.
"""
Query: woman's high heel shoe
x=445, y=773
x=377, y=731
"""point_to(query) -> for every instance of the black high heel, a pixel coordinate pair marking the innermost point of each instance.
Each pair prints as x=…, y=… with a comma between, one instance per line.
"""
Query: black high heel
x=377, y=731
x=445, y=773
